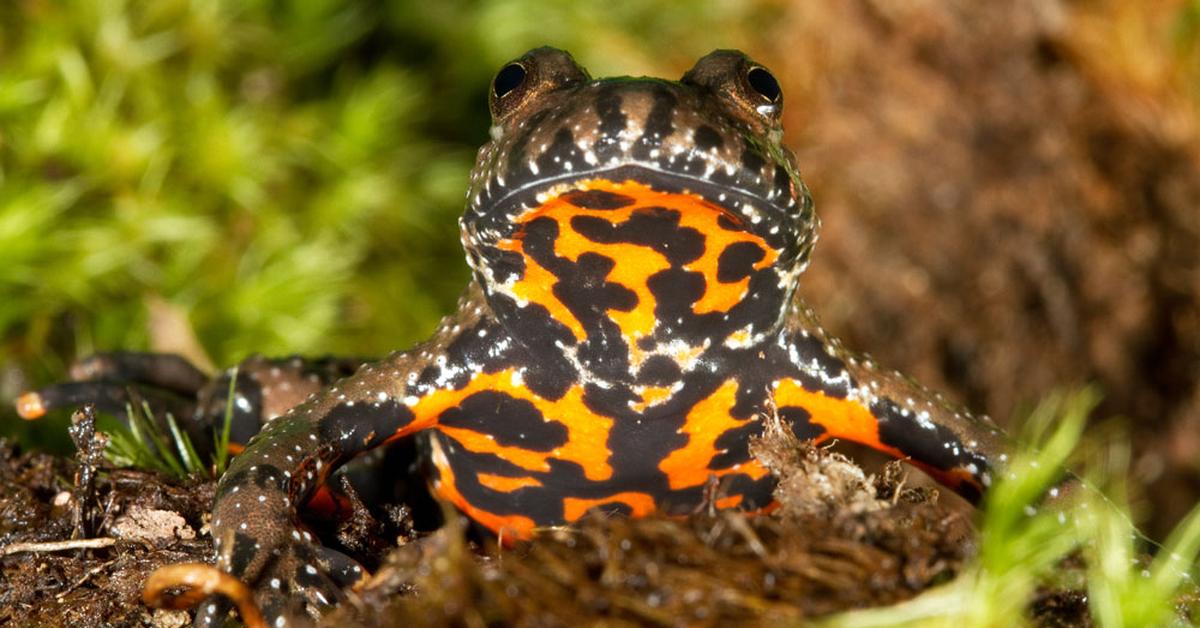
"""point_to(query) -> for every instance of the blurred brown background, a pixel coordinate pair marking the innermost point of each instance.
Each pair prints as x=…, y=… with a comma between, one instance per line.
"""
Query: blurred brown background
x=1011, y=203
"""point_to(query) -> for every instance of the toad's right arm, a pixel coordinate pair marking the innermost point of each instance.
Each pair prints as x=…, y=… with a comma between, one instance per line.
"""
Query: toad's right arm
x=255, y=524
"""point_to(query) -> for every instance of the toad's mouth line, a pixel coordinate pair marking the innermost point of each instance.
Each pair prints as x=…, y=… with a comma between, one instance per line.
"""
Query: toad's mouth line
x=623, y=197
x=641, y=172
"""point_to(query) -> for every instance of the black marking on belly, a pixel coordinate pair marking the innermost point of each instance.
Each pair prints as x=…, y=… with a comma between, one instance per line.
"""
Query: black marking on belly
x=476, y=344
x=583, y=288
x=531, y=321
x=597, y=199
x=729, y=223
x=656, y=228
x=736, y=443
x=800, y=421
x=589, y=295
x=756, y=494
x=504, y=265
x=639, y=442
x=582, y=285
x=510, y=422
x=659, y=370
x=539, y=503
x=480, y=462
x=737, y=261
x=551, y=379
x=613, y=508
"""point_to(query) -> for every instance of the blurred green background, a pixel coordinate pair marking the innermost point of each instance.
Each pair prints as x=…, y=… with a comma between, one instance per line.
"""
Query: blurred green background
x=276, y=177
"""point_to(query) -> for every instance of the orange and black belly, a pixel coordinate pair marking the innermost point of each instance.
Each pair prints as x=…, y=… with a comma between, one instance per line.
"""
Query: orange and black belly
x=640, y=315
x=642, y=349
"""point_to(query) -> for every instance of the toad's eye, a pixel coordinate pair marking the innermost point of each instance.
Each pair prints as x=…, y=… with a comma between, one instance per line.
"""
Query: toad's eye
x=508, y=78
x=764, y=84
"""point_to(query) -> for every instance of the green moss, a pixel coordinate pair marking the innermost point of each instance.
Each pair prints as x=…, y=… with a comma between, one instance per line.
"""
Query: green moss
x=286, y=175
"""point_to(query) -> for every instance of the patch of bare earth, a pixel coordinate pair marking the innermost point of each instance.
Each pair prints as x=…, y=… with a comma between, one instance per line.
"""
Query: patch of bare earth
x=49, y=578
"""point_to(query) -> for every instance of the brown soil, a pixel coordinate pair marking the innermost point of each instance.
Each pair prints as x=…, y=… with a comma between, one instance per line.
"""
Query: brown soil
x=89, y=587
x=840, y=540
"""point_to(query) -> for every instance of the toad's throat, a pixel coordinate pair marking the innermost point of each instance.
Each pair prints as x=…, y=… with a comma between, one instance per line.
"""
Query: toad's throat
x=607, y=258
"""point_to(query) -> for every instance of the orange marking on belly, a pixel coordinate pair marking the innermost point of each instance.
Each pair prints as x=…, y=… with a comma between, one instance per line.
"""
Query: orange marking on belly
x=705, y=423
x=537, y=286
x=640, y=504
x=718, y=296
x=484, y=444
x=587, y=432
x=733, y=501
x=854, y=422
x=841, y=418
x=446, y=487
x=506, y=484
x=652, y=396
x=634, y=264
x=752, y=468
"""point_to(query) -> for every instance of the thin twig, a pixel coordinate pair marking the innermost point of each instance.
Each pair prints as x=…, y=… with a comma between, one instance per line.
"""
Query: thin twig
x=87, y=576
x=58, y=546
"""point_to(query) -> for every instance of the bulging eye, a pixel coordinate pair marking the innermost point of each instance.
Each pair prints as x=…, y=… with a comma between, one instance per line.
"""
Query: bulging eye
x=764, y=84
x=525, y=81
x=508, y=79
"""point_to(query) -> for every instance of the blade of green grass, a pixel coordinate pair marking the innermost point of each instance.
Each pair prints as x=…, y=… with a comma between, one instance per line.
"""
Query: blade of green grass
x=221, y=455
x=140, y=442
x=1022, y=546
x=188, y=457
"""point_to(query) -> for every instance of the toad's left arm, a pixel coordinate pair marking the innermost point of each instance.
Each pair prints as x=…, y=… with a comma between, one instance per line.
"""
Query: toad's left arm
x=829, y=393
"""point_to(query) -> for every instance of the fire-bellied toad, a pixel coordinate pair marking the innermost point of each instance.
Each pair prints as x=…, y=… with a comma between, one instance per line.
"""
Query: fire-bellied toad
x=637, y=246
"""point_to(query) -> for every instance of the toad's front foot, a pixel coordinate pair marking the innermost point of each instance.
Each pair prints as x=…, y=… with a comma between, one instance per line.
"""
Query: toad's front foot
x=293, y=578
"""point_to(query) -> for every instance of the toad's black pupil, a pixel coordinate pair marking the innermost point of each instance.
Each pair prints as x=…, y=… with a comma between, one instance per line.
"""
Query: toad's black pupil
x=763, y=83
x=508, y=79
